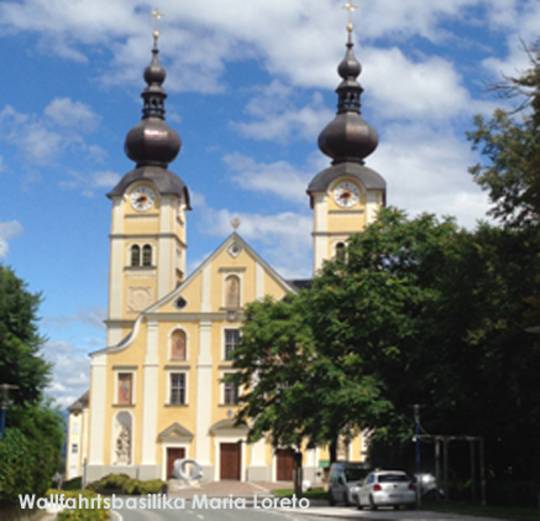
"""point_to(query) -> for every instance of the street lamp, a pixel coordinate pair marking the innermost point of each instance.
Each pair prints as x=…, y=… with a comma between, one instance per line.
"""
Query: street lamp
x=416, y=408
x=4, y=404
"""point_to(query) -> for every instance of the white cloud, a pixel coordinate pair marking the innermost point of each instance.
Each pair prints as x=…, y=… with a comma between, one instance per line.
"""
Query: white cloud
x=283, y=239
x=430, y=89
x=90, y=183
x=426, y=171
x=8, y=230
x=300, y=40
x=43, y=137
x=279, y=178
x=72, y=114
x=275, y=117
x=91, y=317
x=523, y=20
x=2, y=164
x=70, y=371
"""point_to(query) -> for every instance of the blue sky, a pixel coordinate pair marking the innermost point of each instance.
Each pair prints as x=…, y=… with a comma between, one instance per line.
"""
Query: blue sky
x=250, y=87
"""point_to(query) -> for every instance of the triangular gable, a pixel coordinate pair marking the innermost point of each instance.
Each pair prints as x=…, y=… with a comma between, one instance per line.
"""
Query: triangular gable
x=175, y=432
x=234, y=237
x=170, y=297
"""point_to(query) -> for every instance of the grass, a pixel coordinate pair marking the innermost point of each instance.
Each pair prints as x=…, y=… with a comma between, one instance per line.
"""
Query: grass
x=502, y=512
x=314, y=493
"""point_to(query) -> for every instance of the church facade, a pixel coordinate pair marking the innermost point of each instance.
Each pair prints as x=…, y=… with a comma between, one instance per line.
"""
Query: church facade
x=157, y=392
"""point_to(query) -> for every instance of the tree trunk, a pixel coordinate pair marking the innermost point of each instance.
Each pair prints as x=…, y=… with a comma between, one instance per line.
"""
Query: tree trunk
x=297, y=473
x=333, y=451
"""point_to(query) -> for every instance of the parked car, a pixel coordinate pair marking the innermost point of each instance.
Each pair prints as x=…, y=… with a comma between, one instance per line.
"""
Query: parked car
x=386, y=488
x=345, y=478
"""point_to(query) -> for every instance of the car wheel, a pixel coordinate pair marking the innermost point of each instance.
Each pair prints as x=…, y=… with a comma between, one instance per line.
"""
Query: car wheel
x=331, y=500
x=372, y=504
x=346, y=501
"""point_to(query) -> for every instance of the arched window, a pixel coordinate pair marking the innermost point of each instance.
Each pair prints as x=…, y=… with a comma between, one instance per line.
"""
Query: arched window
x=135, y=255
x=147, y=255
x=340, y=251
x=232, y=292
x=178, y=345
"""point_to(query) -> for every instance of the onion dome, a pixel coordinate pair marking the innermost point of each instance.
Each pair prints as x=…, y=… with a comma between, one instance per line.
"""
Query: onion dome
x=152, y=142
x=348, y=137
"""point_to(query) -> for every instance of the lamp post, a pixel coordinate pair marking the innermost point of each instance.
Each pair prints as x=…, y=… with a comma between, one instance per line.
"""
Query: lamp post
x=416, y=408
x=4, y=404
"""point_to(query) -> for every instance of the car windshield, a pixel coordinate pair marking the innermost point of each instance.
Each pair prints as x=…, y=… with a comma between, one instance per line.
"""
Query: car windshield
x=393, y=478
x=355, y=474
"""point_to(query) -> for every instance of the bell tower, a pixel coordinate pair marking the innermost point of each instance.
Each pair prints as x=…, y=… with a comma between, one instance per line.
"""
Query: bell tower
x=346, y=196
x=149, y=205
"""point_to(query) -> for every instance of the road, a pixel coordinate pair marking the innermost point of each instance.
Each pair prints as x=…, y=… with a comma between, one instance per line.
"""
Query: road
x=187, y=513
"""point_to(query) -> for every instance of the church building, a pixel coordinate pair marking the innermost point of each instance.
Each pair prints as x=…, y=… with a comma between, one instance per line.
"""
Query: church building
x=156, y=391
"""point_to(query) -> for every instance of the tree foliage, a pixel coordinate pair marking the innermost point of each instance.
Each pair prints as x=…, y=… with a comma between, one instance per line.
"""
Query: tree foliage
x=20, y=341
x=510, y=146
x=31, y=449
x=419, y=311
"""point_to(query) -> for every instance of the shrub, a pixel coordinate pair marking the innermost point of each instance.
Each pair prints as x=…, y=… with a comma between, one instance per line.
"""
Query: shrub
x=123, y=484
x=72, y=484
x=83, y=514
x=29, y=452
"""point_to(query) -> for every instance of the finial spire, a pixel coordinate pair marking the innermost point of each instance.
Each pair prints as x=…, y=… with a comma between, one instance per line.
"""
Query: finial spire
x=153, y=142
x=157, y=15
x=235, y=223
x=348, y=138
x=351, y=8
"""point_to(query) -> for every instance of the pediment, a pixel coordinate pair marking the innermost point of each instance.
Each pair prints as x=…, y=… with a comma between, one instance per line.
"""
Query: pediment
x=228, y=426
x=175, y=432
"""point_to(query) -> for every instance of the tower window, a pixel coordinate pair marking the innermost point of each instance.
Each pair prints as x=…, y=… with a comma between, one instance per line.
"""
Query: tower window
x=135, y=255
x=232, y=292
x=340, y=251
x=147, y=255
x=178, y=345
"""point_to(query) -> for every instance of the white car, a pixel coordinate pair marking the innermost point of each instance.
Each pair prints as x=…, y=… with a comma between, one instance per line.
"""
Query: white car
x=386, y=488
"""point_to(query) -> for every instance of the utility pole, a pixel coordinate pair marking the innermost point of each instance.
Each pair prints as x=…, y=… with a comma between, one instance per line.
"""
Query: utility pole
x=416, y=408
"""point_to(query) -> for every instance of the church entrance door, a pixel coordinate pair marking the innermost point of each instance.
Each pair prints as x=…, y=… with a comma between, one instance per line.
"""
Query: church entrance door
x=285, y=464
x=174, y=453
x=230, y=461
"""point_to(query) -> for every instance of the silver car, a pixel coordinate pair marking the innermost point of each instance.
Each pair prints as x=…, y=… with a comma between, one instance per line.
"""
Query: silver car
x=386, y=488
x=345, y=478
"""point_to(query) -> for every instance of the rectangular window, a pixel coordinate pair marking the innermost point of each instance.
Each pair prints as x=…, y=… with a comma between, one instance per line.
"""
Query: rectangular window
x=232, y=339
x=178, y=389
x=230, y=393
x=125, y=389
x=74, y=448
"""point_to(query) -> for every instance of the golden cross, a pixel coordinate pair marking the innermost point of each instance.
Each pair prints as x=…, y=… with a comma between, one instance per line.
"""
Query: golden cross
x=157, y=15
x=351, y=8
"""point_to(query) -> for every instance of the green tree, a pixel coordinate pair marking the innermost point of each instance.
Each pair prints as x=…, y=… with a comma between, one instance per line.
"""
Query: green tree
x=31, y=448
x=510, y=146
x=20, y=341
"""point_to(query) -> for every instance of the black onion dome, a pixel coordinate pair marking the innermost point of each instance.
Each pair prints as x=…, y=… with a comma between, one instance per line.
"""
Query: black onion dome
x=348, y=137
x=152, y=141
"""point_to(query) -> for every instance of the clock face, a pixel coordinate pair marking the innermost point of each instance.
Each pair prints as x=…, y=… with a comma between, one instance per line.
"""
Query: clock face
x=142, y=198
x=346, y=194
